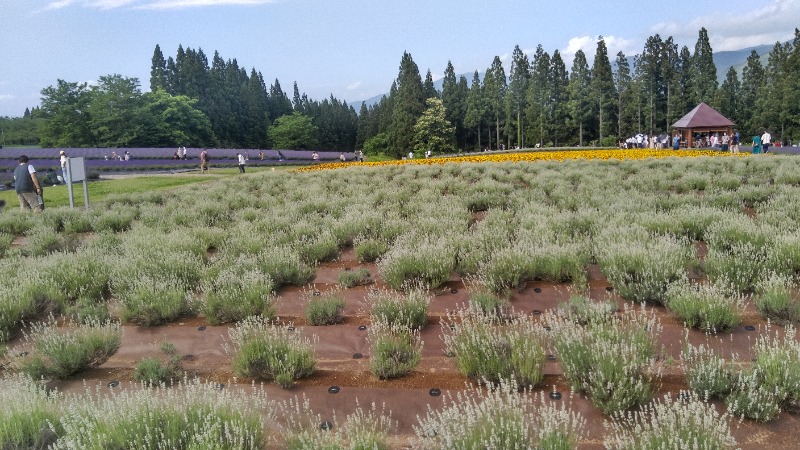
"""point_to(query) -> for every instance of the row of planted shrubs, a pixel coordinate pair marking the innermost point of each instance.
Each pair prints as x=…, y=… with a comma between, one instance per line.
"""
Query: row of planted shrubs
x=542, y=221
x=609, y=355
x=194, y=414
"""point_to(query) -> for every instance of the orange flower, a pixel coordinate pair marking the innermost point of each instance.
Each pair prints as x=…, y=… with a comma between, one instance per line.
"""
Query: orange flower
x=523, y=157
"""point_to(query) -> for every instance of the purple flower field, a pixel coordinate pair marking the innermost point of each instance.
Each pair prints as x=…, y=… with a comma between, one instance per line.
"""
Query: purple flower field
x=100, y=159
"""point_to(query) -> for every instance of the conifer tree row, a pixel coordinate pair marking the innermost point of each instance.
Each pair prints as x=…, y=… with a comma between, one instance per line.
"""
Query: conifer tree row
x=539, y=102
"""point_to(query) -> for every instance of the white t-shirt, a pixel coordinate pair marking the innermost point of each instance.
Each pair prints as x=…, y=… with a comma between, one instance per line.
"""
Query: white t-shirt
x=766, y=138
x=241, y=160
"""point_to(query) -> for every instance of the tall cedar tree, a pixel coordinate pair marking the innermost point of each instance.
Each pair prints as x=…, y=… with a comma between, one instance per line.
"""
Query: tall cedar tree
x=538, y=96
x=364, y=125
x=651, y=84
x=752, y=80
x=773, y=101
x=428, y=89
x=704, y=75
x=727, y=99
x=626, y=109
x=603, y=91
x=560, y=128
x=476, y=108
x=670, y=64
x=454, y=99
x=679, y=100
x=158, y=70
x=409, y=102
x=519, y=77
x=580, y=82
x=495, y=85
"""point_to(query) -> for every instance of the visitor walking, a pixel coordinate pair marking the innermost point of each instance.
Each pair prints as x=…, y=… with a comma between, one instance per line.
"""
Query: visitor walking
x=242, y=161
x=204, y=161
x=64, y=171
x=766, y=140
x=735, y=142
x=676, y=142
x=26, y=184
x=756, y=144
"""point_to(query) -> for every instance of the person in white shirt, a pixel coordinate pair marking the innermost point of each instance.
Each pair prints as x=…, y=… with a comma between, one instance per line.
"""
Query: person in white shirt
x=242, y=161
x=64, y=171
x=766, y=140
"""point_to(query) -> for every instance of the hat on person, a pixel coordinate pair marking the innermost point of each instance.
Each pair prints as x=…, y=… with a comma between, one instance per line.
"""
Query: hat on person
x=62, y=152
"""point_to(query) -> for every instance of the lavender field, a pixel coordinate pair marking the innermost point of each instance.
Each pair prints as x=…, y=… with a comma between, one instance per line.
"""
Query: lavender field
x=102, y=159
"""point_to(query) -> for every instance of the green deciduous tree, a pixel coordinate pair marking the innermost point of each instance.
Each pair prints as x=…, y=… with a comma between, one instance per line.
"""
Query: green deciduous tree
x=115, y=109
x=66, y=110
x=293, y=131
x=170, y=121
x=433, y=131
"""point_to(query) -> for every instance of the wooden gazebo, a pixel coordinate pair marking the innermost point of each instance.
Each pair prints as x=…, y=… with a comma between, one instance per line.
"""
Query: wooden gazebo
x=702, y=120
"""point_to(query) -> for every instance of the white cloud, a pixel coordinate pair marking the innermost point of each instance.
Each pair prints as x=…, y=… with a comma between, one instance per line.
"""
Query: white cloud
x=180, y=4
x=110, y=4
x=149, y=4
x=6, y=97
x=738, y=29
x=59, y=4
x=588, y=44
x=354, y=86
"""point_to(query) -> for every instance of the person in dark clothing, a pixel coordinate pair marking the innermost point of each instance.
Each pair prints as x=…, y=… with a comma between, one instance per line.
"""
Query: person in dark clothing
x=27, y=186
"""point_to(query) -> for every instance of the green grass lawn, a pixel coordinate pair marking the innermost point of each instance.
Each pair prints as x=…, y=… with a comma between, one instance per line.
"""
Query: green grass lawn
x=98, y=190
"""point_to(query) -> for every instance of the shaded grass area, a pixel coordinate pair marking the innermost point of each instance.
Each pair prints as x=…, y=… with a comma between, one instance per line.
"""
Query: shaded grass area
x=98, y=190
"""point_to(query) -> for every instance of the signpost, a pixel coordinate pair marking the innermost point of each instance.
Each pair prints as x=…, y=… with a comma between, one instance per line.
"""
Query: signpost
x=76, y=171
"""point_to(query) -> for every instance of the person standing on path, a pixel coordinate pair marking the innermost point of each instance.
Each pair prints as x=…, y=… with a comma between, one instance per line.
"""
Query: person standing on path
x=735, y=142
x=676, y=142
x=27, y=186
x=766, y=140
x=241, y=162
x=64, y=171
x=204, y=161
x=756, y=144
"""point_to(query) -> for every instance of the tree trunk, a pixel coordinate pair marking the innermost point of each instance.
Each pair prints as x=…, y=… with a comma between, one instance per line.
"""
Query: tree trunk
x=497, y=128
x=580, y=134
x=600, y=120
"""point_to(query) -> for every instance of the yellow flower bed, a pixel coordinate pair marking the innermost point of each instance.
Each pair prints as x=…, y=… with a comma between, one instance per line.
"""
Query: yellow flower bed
x=558, y=155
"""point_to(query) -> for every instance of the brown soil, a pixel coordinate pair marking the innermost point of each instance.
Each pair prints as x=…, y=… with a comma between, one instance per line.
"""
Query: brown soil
x=343, y=355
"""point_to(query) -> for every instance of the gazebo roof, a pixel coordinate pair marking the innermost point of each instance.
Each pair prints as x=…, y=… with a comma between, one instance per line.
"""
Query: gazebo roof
x=703, y=116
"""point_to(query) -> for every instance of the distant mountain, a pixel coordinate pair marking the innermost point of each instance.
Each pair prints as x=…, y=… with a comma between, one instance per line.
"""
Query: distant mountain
x=724, y=61
x=738, y=59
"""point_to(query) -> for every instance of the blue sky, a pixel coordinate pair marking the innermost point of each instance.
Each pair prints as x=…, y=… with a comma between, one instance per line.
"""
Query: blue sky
x=348, y=48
